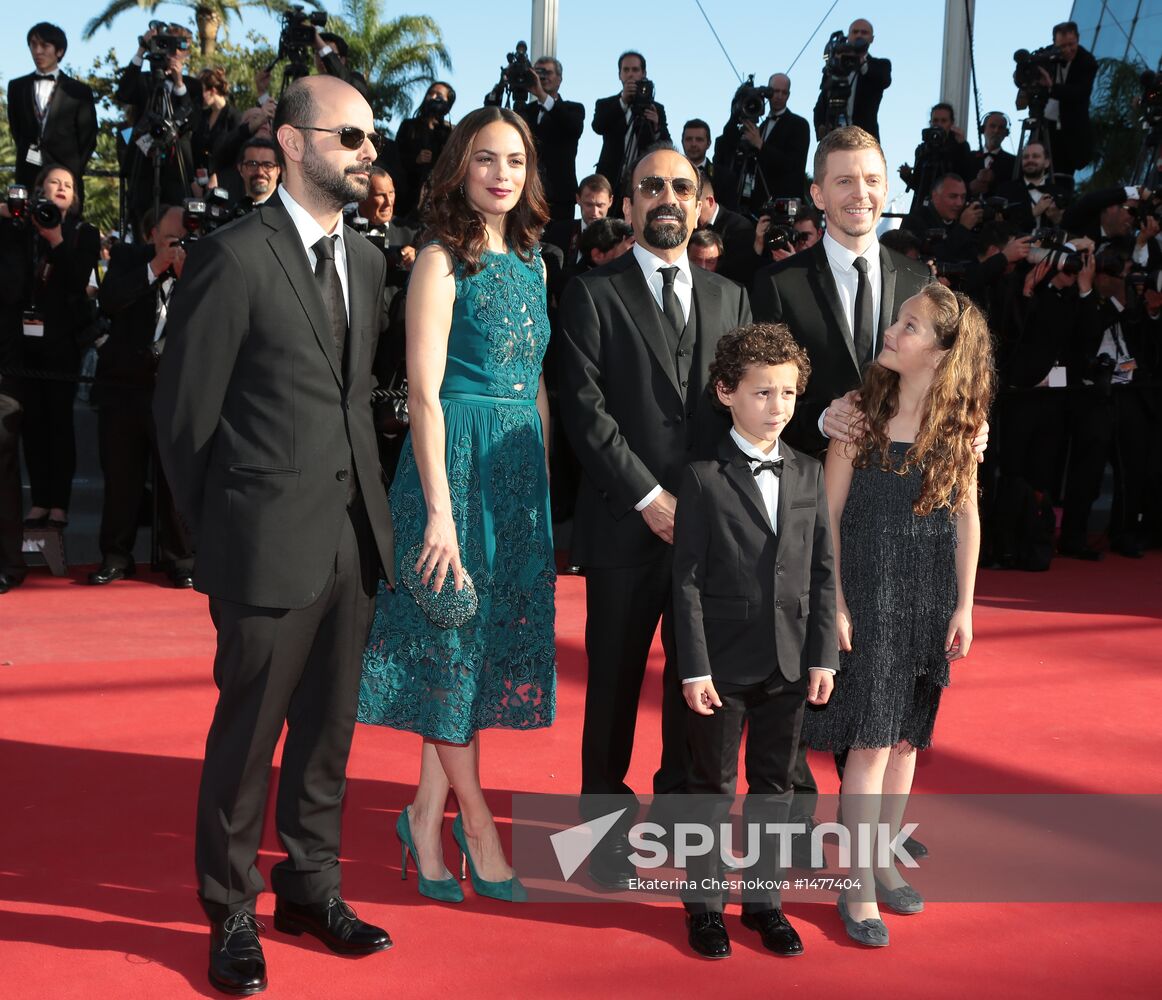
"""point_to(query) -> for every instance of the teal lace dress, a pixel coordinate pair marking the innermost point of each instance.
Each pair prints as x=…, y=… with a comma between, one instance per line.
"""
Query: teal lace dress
x=500, y=668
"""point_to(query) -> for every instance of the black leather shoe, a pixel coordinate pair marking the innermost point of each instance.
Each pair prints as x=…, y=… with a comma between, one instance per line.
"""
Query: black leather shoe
x=1131, y=548
x=182, y=579
x=107, y=574
x=610, y=867
x=7, y=583
x=777, y=933
x=237, y=965
x=334, y=923
x=915, y=848
x=707, y=935
x=1078, y=550
x=36, y=522
x=801, y=846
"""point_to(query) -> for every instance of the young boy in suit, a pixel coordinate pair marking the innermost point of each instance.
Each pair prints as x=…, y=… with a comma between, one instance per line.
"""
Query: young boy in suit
x=754, y=601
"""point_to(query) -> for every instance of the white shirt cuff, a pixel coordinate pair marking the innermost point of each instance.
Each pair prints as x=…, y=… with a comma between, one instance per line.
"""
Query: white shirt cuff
x=1141, y=255
x=648, y=499
x=822, y=417
x=325, y=51
x=137, y=61
x=691, y=680
x=827, y=670
x=548, y=103
x=262, y=99
x=1132, y=193
x=152, y=276
x=179, y=91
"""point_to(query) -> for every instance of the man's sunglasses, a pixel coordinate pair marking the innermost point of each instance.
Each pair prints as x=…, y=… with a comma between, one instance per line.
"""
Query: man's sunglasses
x=684, y=188
x=349, y=136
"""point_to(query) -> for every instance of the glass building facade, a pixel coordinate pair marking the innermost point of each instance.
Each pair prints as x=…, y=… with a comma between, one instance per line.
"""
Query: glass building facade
x=1129, y=30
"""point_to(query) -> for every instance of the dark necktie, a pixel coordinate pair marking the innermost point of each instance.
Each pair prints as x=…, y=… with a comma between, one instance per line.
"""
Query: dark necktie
x=331, y=289
x=865, y=330
x=670, y=304
x=775, y=465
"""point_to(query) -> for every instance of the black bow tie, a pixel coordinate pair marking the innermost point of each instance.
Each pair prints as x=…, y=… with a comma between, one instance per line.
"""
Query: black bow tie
x=774, y=465
x=1035, y=187
x=43, y=76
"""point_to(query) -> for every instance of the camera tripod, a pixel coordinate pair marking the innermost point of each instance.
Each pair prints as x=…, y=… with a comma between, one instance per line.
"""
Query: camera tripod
x=1035, y=129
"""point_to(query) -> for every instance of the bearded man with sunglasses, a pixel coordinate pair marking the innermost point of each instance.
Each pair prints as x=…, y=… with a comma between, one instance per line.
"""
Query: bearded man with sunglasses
x=638, y=337
x=264, y=424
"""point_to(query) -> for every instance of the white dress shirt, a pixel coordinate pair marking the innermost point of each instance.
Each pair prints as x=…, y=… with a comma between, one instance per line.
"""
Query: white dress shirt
x=310, y=232
x=42, y=91
x=651, y=264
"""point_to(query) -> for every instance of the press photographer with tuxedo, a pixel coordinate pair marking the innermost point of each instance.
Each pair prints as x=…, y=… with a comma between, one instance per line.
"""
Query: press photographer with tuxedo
x=867, y=84
x=52, y=117
x=135, y=295
x=556, y=126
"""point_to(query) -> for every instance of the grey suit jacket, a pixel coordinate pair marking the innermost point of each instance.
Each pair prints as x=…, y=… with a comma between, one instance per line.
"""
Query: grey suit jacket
x=257, y=418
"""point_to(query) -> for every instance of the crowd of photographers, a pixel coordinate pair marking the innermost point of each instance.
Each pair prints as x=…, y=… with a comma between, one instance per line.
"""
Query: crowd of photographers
x=1072, y=284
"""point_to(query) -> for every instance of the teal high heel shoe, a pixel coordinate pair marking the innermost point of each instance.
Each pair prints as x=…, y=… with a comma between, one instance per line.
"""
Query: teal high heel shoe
x=445, y=890
x=509, y=891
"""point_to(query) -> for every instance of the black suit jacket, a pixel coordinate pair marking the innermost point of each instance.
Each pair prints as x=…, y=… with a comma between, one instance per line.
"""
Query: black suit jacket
x=1073, y=142
x=782, y=159
x=742, y=591
x=1002, y=169
x=738, y=256
x=869, y=91
x=632, y=417
x=70, y=129
x=257, y=419
x=609, y=123
x=556, y=136
x=130, y=301
x=800, y=291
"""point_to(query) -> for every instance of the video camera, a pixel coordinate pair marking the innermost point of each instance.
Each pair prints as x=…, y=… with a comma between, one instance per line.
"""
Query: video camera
x=296, y=40
x=841, y=56
x=518, y=74
x=164, y=43
x=643, y=97
x=46, y=214
x=749, y=103
x=1027, y=74
x=433, y=107
x=201, y=216
x=782, y=234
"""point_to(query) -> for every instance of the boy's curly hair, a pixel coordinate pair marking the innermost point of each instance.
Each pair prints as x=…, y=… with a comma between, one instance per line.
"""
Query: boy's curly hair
x=756, y=344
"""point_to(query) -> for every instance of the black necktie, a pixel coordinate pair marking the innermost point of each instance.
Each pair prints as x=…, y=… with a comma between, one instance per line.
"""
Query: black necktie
x=332, y=290
x=670, y=304
x=775, y=465
x=865, y=330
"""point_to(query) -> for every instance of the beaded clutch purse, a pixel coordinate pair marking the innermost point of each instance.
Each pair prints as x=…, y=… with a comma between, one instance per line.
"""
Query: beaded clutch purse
x=450, y=608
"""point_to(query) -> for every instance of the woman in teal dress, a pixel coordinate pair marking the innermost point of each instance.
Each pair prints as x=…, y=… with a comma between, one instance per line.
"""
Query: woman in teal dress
x=471, y=496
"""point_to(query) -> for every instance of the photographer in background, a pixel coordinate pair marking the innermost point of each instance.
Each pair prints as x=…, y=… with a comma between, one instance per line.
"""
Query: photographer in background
x=166, y=101
x=947, y=213
x=1034, y=200
x=736, y=232
x=135, y=296
x=989, y=167
x=256, y=176
x=52, y=117
x=629, y=123
x=46, y=256
x=705, y=249
x=942, y=150
x=420, y=140
x=331, y=58
x=865, y=83
x=556, y=126
x=768, y=158
x=219, y=119
x=605, y=240
x=1064, y=82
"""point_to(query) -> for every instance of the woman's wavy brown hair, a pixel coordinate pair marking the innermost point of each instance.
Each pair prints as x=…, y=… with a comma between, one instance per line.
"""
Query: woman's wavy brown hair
x=453, y=222
x=955, y=408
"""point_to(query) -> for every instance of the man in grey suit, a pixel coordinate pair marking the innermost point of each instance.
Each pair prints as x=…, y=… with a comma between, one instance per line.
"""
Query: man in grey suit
x=637, y=339
x=263, y=410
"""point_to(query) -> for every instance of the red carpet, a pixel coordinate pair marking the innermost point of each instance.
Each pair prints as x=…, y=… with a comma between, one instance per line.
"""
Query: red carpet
x=105, y=696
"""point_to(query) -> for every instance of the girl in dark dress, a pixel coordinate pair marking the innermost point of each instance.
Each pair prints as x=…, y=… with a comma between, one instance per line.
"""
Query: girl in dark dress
x=903, y=503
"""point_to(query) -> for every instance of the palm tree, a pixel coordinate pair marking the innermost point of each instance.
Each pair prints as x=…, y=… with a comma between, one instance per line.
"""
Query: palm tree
x=396, y=56
x=1114, y=117
x=209, y=15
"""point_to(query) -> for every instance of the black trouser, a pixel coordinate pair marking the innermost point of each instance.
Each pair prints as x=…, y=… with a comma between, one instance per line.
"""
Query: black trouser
x=772, y=714
x=623, y=607
x=50, y=441
x=301, y=666
x=11, y=518
x=128, y=447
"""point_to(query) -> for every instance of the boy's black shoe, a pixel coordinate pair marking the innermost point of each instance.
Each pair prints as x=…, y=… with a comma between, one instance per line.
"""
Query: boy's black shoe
x=707, y=935
x=776, y=931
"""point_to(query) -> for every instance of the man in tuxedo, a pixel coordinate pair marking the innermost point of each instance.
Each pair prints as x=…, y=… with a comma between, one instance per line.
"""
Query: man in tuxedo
x=1032, y=203
x=1067, y=108
x=989, y=167
x=135, y=295
x=264, y=424
x=949, y=214
x=556, y=126
x=696, y=144
x=626, y=129
x=769, y=159
x=52, y=117
x=637, y=338
x=838, y=298
x=182, y=97
x=868, y=84
x=594, y=198
x=735, y=230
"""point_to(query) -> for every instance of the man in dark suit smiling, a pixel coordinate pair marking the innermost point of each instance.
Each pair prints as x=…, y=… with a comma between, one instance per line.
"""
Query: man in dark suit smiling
x=264, y=425
x=638, y=337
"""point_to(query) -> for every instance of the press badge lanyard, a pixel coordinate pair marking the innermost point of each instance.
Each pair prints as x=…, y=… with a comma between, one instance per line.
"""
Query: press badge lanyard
x=33, y=156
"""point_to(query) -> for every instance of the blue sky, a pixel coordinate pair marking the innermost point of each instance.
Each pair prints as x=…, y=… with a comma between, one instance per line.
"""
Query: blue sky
x=690, y=71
